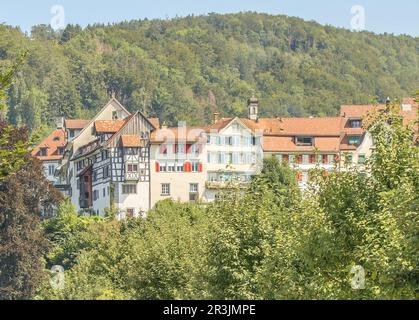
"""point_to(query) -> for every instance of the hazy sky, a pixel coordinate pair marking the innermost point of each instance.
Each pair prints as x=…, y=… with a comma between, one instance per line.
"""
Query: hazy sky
x=392, y=16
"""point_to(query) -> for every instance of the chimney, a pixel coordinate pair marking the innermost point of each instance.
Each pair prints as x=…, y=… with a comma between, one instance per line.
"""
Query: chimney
x=59, y=122
x=216, y=117
x=252, y=108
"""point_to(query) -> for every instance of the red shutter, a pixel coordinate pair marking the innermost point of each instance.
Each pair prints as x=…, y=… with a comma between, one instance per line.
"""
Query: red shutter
x=325, y=159
x=157, y=166
x=337, y=157
x=175, y=148
x=286, y=157
x=312, y=158
x=200, y=167
x=299, y=159
x=187, y=167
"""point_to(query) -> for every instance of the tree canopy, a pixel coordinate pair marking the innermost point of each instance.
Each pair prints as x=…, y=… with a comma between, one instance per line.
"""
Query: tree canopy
x=187, y=68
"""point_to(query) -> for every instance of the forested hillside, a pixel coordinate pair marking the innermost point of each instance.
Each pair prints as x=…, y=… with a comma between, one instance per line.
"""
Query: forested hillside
x=186, y=68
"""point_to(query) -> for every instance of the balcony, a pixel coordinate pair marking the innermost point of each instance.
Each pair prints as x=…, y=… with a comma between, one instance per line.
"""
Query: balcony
x=132, y=176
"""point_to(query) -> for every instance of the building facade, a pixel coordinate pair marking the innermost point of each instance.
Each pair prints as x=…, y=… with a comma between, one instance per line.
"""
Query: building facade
x=128, y=162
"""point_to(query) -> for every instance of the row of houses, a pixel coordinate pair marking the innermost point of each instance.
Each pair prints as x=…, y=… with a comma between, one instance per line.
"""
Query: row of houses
x=130, y=162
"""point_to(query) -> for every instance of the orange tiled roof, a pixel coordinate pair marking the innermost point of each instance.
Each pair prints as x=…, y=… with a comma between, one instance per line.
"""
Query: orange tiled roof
x=108, y=126
x=76, y=123
x=287, y=144
x=131, y=141
x=286, y=126
x=52, y=143
x=186, y=134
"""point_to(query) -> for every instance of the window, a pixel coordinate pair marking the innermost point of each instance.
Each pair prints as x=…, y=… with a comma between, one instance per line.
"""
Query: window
x=354, y=140
x=361, y=158
x=129, y=189
x=94, y=176
x=236, y=158
x=221, y=158
x=165, y=189
x=71, y=133
x=195, y=166
x=114, y=115
x=291, y=158
x=60, y=151
x=180, y=148
x=355, y=123
x=193, y=187
x=132, y=151
x=106, y=172
x=330, y=158
x=104, y=154
x=279, y=157
x=220, y=140
x=304, y=141
x=193, y=192
x=348, y=158
x=163, y=167
x=132, y=167
x=180, y=167
x=95, y=195
x=104, y=193
x=43, y=152
x=51, y=170
x=306, y=159
x=171, y=167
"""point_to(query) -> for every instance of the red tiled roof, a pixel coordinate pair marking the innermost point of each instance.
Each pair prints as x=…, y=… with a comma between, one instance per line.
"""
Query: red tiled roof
x=108, y=126
x=76, y=123
x=52, y=143
x=131, y=141
x=287, y=144
x=286, y=126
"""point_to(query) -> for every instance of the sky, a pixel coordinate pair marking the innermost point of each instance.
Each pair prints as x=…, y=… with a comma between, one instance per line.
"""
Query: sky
x=379, y=16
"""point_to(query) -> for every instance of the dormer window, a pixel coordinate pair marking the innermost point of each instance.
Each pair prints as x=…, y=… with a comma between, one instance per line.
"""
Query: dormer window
x=355, y=123
x=43, y=152
x=354, y=140
x=60, y=151
x=304, y=141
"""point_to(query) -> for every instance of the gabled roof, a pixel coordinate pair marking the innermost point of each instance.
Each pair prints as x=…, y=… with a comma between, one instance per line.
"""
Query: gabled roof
x=76, y=123
x=286, y=126
x=108, y=126
x=51, y=143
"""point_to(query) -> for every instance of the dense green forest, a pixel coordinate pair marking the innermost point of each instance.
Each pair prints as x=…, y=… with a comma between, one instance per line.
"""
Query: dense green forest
x=186, y=68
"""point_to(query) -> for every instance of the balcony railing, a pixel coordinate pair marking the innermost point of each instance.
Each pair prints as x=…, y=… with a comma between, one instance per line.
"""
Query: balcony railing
x=132, y=176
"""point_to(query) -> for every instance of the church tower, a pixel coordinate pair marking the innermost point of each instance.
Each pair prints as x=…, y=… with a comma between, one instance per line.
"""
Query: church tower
x=252, y=108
